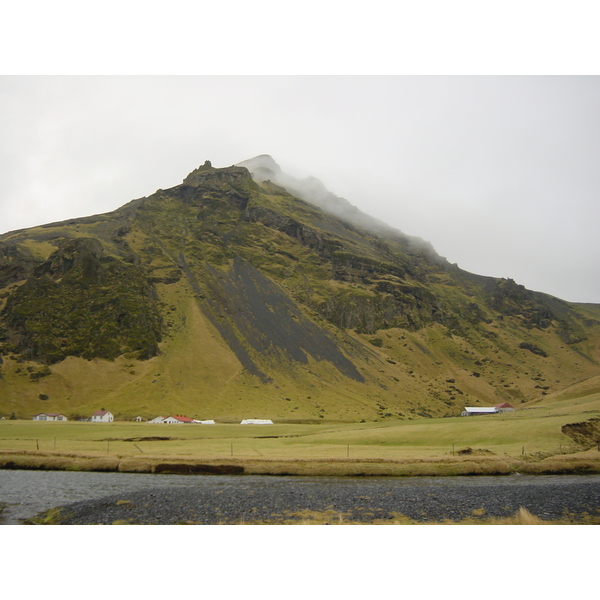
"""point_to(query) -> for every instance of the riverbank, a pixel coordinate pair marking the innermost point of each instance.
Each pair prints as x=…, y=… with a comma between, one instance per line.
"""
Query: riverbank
x=230, y=500
x=473, y=463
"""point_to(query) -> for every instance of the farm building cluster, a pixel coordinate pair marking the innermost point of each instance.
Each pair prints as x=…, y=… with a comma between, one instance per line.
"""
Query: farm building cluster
x=105, y=416
x=179, y=419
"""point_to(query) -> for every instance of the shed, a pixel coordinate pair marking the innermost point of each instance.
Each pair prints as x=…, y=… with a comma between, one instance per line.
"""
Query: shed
x=471, y=411
x=256, y=422
x=504, y=407
x=102, y=416
x=157, y=420
x=207, y=422
x=49, y=417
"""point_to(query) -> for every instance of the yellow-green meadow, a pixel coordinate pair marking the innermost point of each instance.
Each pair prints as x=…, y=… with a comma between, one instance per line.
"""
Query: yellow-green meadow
x=527, y=440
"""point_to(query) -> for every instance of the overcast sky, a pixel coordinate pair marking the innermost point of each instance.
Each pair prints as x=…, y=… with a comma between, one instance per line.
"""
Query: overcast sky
x=500, y=174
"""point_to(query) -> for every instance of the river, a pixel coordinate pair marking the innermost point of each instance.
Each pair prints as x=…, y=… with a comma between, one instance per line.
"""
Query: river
x=210, y=499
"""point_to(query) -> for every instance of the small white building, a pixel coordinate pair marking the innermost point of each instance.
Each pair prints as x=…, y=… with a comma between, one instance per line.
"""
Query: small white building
x=49, y=417
x=471, y=411
x=102, y=416
x=207, y=422
x=256, y=422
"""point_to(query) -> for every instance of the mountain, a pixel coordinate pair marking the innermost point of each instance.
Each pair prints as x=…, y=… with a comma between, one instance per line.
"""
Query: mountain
x=246, y=293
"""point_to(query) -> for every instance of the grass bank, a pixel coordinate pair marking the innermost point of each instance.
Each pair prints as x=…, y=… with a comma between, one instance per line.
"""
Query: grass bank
x=580, y=463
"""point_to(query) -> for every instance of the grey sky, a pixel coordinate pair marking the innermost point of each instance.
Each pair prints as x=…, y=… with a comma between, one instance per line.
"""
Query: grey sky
x=500, y=174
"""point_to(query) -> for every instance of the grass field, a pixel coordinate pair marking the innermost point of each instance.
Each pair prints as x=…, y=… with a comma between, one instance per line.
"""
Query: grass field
x=528, y=435
x=508, y=434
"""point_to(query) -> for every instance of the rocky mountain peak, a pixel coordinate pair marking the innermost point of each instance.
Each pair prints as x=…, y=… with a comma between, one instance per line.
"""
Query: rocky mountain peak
x=263, y=168
x=207, y=173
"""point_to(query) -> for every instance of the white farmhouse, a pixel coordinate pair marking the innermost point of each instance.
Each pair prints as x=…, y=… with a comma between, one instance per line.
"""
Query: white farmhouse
x=49, y=417
x=256, y=422
x=102, y=416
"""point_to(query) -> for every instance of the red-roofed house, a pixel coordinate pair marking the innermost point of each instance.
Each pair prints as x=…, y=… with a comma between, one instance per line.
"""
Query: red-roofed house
x=102, y=416
x=177, y=419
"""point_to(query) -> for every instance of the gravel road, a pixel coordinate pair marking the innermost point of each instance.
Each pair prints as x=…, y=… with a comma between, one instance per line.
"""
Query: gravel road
x=235, y=500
